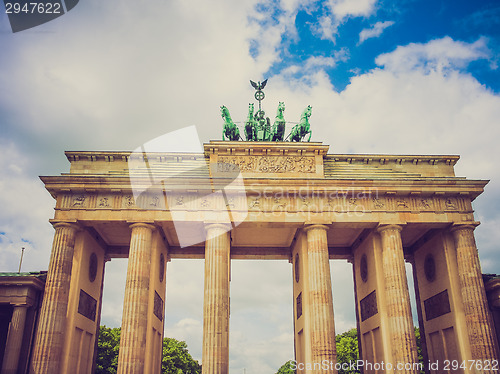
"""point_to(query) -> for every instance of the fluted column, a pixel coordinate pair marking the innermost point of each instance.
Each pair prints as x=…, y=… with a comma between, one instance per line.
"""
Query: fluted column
x=402, y=333
x=52, y=322
x=480, y=328
x=215, y=358
x=131, y=357
x=322, y=326
x=14, y=340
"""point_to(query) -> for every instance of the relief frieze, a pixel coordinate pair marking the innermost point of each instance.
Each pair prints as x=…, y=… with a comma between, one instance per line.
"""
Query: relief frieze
x=267, y=164
x=128, y=202
x=402, y=204
x=424, y=204
x=105, y=201
x=79, y=201
x=450, y=203
x=279, y=202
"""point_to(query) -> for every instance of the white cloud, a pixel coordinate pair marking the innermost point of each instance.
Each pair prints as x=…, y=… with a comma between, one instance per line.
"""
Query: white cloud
x=327, y=27
x=339, y=11
x=26, y=209
x=356, y=8
x=440, y=55
x=319, y=61
x=375, y=31
x=191, y=331
x=306, y=71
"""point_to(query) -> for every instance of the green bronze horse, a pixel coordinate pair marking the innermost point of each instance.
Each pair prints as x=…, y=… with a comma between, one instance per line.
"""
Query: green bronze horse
x=230, y=130
x=278, y=131
x=303, y=128
x=251, y=125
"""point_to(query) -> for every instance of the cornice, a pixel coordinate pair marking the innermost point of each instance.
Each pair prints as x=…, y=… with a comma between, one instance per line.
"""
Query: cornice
x=425, y=186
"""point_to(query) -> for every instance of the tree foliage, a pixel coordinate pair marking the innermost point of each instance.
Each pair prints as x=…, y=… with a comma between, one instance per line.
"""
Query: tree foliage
x=419, y=348
x=286, y=368
x=347, y=350
x=107, y=350
x=175, y=356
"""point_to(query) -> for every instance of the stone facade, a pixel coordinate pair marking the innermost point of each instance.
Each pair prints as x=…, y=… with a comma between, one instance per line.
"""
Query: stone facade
x=290, y=201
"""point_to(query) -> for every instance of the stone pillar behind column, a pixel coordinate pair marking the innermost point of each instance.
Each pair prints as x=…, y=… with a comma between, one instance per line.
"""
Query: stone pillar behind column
x=479, y=322
x=322, y=326
x=14, y=340
x=402, y=333
x=215, y=358
x=132, y=353
x=50, y=333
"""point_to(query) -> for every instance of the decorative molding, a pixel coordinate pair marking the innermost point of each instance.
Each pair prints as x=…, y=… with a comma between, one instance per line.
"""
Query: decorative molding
x=395, y=159
x=288, y=201
x=267, y=164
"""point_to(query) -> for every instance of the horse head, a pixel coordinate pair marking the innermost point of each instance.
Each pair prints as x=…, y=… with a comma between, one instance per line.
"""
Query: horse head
x=281, y=109
x=307, y=112
x=250, y=112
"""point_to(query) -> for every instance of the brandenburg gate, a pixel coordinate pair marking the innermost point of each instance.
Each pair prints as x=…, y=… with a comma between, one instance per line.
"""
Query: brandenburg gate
x=267, y=200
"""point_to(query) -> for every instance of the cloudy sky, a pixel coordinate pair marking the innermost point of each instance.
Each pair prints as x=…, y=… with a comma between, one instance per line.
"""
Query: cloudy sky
x=388, y=76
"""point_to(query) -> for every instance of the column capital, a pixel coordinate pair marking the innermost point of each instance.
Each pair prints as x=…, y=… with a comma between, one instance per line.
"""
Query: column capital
x=148, y=225
x=20, y=305
x=392, y=226
x=315, y=227
x=70, y=224
x=217, y=225
x=456, y=226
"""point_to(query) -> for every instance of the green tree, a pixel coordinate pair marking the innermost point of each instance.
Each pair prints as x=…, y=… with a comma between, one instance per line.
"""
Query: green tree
x=176, y=358
x=107, y=350
x=419, y=348
x=347, y=350
x=286, y=368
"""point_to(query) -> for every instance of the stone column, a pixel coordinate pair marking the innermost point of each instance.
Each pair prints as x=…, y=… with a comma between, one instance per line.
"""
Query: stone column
x=14, y=340
x=215, y=358
x=480, y=328
x=52, y=322
x=131, y=357
x=402, y=333
x=322, y=326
